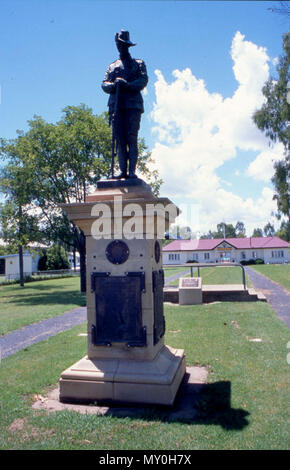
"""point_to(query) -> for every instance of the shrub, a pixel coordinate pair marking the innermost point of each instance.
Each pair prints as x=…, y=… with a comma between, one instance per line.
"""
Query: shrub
x=259, y=261
x=56, y=258
x=245, y=262
x=42, y=263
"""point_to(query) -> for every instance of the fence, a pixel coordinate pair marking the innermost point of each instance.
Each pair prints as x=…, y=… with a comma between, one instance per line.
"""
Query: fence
x=39, y=274
x=210, y=265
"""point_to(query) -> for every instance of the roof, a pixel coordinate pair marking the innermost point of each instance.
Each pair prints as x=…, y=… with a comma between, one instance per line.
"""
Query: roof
x=30, y=245
x=16, y=255
x=239, y=243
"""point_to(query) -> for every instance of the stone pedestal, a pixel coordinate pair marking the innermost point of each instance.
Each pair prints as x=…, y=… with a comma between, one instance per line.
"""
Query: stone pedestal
x=127, y=360
x=190, y=291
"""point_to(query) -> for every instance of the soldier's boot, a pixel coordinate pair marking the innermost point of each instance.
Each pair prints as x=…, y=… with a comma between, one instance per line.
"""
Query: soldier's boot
x=133, y=156
x=122, y=158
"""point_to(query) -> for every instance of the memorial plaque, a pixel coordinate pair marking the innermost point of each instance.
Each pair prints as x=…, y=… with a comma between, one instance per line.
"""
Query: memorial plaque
x=118, y=309
x=159, y=320
x=190, y=282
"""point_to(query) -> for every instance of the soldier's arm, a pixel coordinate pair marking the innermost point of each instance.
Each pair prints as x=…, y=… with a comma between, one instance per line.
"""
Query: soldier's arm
x=108, y=84
x=142, y=80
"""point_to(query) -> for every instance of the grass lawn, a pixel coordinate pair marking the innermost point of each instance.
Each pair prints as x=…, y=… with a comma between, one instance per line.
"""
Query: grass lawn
x=243, y=407
x=171, y=271
x=218, y=275
x=20, y=306
x=276, y=272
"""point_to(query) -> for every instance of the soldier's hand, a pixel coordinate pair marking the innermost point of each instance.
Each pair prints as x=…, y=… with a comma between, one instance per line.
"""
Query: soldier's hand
x=120, y=81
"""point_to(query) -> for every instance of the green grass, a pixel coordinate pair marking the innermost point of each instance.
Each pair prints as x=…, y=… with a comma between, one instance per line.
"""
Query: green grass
x=20, y=306
x=276, y=272
x=35, y=277
x=217, y=275
x=244, y=406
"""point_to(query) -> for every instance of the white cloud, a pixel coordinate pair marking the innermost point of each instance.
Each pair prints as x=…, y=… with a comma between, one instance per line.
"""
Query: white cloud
x=262, y=167
x=198, y=131
x=221, y=205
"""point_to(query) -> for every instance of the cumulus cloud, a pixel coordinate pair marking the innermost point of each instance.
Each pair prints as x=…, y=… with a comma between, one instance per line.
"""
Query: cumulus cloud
x=198, y=131
x=262, y=167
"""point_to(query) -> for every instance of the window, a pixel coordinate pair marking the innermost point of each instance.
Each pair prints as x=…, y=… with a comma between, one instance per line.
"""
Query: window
x=206, y=255
x=243, y=255
x=174, y=256
x=278, y=254
x=254, y=254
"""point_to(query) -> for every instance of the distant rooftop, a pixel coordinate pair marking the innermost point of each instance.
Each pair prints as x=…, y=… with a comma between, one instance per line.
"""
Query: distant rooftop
x=239, y=243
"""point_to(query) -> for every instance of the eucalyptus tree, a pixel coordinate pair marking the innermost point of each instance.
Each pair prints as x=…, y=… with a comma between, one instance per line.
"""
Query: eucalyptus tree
x=273, y=119
x=64, y=162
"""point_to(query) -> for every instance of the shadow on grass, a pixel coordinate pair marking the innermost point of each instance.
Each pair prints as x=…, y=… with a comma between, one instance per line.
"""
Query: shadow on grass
x=62, y=296
x=195, y=404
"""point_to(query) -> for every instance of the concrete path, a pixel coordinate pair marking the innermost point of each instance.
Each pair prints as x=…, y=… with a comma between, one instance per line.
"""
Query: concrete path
x=31, y=334
x=175, y=276
x=276, y=295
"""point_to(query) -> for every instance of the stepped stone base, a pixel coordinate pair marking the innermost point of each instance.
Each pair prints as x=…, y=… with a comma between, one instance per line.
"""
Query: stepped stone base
x=221, y=293
x=124, y=381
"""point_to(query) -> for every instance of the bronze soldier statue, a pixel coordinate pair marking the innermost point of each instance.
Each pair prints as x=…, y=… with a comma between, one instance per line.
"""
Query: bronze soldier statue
x=124, y=80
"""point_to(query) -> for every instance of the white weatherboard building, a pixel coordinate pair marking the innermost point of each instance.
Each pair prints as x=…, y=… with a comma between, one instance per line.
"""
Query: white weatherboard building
x=269, y=249
x=9, y=265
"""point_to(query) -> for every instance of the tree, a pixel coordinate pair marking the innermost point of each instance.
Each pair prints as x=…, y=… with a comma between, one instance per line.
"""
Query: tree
x=284, y=231
x=269, y=230
x=284, y=9
x=208, y=236
x=240, y=230
x=257, y=232
x=179, y=232
x=56, y=258
x=273, y=119
x=18, y=226
x=225, y=231
x=65, y=160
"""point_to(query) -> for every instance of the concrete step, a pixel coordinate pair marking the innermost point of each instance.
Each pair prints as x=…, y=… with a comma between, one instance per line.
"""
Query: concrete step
x=170, y=294
x=221, y=293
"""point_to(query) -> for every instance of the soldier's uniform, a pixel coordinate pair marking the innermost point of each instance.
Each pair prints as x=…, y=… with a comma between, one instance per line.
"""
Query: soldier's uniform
x=129, y=105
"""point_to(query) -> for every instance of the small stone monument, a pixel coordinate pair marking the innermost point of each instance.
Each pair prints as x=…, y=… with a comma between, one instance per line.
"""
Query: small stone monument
x=190, y=291
x=124, y=223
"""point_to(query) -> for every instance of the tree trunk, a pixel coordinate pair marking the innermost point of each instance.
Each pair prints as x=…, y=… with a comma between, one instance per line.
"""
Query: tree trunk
x=21, y=273
x=82, y=251
x=74, y=259
x=79, y=241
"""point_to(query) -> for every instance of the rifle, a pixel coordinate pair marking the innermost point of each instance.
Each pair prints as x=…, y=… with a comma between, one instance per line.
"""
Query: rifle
x=113, y=124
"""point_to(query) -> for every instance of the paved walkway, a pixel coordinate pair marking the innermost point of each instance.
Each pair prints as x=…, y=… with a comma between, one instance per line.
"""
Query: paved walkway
x=276, y=296
x=36, y=332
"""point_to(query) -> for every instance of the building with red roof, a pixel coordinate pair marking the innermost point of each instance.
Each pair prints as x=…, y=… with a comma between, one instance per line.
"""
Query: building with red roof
x=216, y=250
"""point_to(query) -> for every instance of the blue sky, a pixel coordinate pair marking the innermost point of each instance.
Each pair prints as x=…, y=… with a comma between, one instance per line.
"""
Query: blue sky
x=55, y=53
